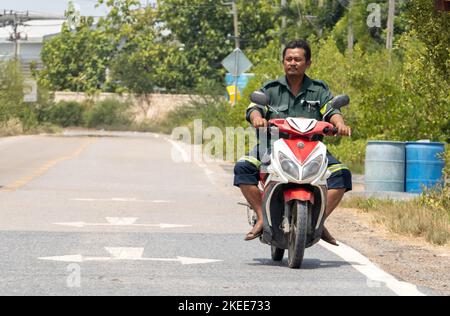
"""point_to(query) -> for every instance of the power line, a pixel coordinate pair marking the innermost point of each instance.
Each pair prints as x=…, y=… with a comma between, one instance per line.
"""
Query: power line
x=41, y=25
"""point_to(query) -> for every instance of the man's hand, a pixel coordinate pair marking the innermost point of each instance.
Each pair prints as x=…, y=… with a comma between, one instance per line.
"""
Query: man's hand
x=260, y=122
x=257, y=120
x=343, y=130
x=338, y=122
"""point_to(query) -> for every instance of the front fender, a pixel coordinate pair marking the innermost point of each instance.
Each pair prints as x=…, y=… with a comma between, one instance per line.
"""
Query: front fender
x=300, y=194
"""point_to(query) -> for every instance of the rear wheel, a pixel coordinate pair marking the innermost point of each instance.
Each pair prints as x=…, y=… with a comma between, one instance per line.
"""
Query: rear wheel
x=277, y=254
x=298, y=234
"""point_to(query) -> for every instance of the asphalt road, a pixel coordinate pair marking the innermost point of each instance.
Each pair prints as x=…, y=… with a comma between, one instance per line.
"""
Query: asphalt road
x=117, y=216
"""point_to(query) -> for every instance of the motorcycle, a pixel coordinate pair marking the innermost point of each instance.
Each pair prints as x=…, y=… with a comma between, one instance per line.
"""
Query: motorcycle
x=293, y=182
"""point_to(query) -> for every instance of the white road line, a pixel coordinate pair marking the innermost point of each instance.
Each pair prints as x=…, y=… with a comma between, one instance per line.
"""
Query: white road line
x=123, y=200
x=184, y=154
x=208, y=172
x=120, y=222
x=186, y=158
x=376, y=277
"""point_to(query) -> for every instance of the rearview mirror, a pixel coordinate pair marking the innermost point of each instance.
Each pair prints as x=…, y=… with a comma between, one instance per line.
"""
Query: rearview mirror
x=259, y=98
x=340, y=101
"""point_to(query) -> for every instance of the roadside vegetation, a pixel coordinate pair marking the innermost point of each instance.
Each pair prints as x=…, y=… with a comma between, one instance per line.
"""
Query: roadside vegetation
x=414, y=218
x=16, y=116
x=427, y=216
x=45, y=116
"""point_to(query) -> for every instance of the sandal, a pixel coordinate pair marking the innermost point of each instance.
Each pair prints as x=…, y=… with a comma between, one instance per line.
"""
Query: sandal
x=252, y=235
x=326, y=236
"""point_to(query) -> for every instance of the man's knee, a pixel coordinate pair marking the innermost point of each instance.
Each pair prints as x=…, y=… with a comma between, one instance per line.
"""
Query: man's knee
x=341, y=179
x=245, y=173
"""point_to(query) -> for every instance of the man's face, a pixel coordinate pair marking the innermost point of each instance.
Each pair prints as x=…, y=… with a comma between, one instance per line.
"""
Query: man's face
x=295, y=63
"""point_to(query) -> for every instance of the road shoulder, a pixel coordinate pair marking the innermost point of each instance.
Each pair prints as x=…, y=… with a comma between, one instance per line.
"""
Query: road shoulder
x=408, y=258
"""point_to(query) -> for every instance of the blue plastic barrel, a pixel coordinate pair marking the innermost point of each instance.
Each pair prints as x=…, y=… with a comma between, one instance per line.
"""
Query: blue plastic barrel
x=385, y=166
x=424, y=166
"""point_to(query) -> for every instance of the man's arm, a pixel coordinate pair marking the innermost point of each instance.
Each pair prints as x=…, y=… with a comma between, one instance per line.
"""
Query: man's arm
x=256, y=116
x=338, y=121
x=257, y=120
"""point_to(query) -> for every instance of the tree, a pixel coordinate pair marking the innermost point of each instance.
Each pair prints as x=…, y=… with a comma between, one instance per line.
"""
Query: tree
x=203, y=28
x=11, y=91
x=144, y=61
x=306, y=17
x=432, y=28
x=77, y=59
x=369, y=22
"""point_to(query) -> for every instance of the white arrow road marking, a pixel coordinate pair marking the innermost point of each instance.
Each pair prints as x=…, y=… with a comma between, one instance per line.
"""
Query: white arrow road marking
x=127, y=254
x=123, y=200
x=121, y=221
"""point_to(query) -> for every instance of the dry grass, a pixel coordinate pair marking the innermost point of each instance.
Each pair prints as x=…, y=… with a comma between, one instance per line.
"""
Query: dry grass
x=14, y=128
x=412, y=218
x=11, y=128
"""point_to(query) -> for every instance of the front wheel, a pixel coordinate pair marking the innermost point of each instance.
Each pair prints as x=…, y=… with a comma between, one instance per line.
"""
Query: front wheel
x=298, y=234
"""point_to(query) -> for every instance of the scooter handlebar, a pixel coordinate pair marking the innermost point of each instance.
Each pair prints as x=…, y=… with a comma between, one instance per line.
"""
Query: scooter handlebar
x=277, y=127
x=330, y=131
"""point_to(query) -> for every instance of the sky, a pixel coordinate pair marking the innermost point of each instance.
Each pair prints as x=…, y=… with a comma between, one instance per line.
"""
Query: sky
x=87, y=7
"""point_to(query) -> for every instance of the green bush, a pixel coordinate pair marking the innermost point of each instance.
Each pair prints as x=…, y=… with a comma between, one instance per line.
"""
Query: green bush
x=350, y=152
x=66, y=113
x=208, y=105
x=28, y=118
x=447, y=164
x=213, y=111
x=109, y=114
x=11, y=91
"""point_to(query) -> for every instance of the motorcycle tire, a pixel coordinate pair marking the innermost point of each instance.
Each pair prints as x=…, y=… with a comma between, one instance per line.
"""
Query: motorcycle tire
x=277, y=254
x=298, y=234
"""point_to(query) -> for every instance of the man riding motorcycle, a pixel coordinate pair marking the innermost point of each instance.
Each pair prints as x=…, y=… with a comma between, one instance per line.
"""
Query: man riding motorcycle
x=293, y=95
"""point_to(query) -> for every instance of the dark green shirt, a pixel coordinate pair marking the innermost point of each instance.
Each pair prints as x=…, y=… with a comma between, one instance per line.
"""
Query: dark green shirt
x=311, y=102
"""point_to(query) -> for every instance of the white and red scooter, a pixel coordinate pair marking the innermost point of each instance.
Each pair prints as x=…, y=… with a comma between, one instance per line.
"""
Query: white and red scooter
x=294, y=184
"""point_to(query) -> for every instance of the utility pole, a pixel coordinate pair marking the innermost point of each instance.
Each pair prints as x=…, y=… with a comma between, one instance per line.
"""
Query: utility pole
x=350, y=38
x=16, y=19
x=283, y=22
x=390, y=26
x=15, y=36
x=237, y=44
x=236, y=24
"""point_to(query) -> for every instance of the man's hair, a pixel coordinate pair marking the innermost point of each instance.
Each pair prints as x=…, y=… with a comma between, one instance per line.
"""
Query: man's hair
x=299, y=44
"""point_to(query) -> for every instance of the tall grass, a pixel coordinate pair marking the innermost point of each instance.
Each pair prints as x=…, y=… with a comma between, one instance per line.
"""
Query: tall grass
x=11, y=95
x=426, y=216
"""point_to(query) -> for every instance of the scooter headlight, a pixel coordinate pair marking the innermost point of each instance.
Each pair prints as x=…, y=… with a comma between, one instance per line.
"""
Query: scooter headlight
x=312, y=168
x=289, y=166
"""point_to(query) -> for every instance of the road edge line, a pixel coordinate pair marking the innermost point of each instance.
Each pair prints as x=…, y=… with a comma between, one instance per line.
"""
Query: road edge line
x=375, y=275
